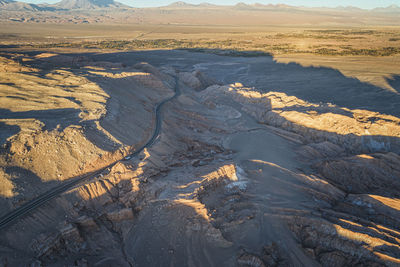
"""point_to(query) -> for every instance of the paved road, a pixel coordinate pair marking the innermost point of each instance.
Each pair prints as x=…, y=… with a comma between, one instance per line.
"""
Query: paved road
x=11, y=217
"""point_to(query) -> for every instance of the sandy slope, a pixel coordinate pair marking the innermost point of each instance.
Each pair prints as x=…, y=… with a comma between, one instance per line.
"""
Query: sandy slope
x=59, y=123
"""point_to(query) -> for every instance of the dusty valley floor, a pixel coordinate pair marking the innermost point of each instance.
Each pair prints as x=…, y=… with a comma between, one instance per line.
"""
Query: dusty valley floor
x=259, y=161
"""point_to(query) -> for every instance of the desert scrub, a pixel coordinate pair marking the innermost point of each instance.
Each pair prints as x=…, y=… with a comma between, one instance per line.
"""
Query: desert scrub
x=229, y=45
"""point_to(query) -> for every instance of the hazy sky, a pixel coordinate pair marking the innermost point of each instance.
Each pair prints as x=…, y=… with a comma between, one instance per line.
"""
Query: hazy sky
x=327, y=3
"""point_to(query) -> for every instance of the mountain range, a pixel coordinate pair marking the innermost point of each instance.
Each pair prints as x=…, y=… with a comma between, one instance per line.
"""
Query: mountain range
x=255, y=6
x=89, y=4
x=11, y=5
x=19, y=6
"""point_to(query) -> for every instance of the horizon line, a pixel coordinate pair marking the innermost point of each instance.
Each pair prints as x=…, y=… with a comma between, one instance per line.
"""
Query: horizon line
x=230, y=5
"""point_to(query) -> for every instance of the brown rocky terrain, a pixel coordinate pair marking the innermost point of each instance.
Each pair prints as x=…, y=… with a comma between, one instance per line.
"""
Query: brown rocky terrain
x=237, y=176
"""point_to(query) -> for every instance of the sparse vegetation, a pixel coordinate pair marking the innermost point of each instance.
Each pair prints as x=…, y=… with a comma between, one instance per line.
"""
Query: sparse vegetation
x=227, y=40
x=253, y=47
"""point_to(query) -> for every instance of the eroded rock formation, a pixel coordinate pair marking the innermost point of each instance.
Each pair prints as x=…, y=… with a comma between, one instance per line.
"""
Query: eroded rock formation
x=237, y=177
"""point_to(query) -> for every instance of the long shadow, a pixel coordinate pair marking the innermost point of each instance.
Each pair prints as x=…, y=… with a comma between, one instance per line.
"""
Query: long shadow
x=124, y=120
x=50, y=117
x=7, y=131
x=2, y=46
x=27, y=185
x=394, y=82
x=259, y=70
x=313, y=84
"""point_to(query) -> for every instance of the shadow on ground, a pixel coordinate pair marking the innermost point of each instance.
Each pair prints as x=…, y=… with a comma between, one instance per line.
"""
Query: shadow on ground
x=395, y=82
x=50, y=117
x=313, y=84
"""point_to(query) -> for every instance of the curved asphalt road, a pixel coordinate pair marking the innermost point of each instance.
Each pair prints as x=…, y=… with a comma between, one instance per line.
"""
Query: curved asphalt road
x=37, y=202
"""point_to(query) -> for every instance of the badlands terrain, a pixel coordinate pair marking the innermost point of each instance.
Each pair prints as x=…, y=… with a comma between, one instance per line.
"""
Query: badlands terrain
x=248, y=168
x=150, y=143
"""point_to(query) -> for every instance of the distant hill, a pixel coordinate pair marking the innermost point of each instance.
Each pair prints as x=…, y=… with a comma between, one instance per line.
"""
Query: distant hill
x=238, y=6
x=244, y=6
x=183, y=5
x=180, y=13
x=10, y=5
x=180, y=4
x=348, y=8
x=390, y=9
x=89, y=4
